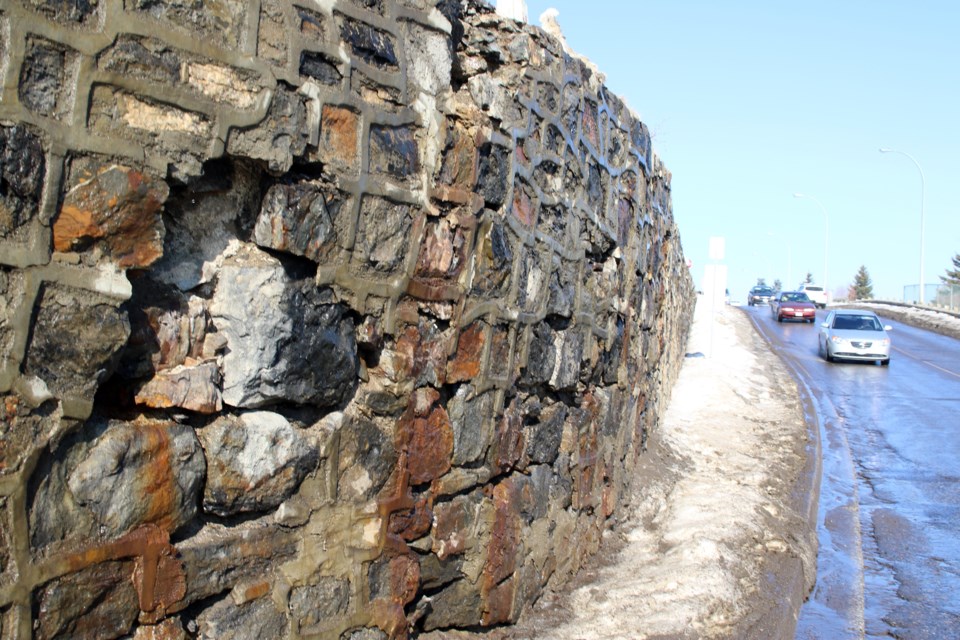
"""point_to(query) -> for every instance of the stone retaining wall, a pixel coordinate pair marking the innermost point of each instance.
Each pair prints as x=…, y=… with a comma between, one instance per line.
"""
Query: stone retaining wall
x=333, y=319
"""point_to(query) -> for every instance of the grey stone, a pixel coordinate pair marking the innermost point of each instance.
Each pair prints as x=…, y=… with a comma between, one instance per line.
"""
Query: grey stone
x=195, y=388
x=218, y=558
x=370, y=44
x=312, y=605
x=255, y=620
x=542, y=356
x=22, y=167
x=367, y=459
x=140, y=472
x=305, y=218
x=96, y=602
x=493, y=174
x=42, y=77
x=76, y=339
x=383, y=234
x=255, y=461
x=544, y=437
x=471, y=418
x=285, y=341
x=280, y=137
x=320, y=67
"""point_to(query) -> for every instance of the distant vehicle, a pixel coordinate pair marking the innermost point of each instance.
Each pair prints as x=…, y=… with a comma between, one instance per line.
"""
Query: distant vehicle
x=816, y=294
x=760, y=295
x=852, y=334
x=793, y=305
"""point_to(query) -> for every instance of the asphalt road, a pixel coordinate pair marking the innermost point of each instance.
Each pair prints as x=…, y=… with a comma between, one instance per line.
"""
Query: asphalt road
x=889, y=516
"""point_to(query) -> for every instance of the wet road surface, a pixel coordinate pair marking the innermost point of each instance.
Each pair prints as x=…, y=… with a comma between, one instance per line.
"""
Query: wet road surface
x=889, y=517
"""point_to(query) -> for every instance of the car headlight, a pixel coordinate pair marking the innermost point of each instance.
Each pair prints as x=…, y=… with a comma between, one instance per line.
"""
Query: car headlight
x=885, y=342
x=836, y=339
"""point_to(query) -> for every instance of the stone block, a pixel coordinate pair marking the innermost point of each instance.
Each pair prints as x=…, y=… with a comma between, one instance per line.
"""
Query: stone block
x=220, y=22
x=272, y=35
x=22, y=170
x=466, y=362
x=216, y=559
x=313, y=24
x=493, y=174
x=367, y=458
x=428, y=58
x=255, y=461
x=443, y=252
x=339, y=145
x=307, y=218
x=286, y=342
x=75, y=342
x=117, y=210
x=97, y=602
x=140, y=472
x=321, y=68
x=424, y=349
x=424, y=432
x=383, y=235
x=227, y=620
x=194, y=388
x=471, y=417
x=22, y=429
x=370, y=44
x=73, y=12
x=44, y=82
x=541, y=356
x=280, y=137
x=394, y=151
x=460, y=158
x=313, y=605
x=493, y=260
x=141, y=57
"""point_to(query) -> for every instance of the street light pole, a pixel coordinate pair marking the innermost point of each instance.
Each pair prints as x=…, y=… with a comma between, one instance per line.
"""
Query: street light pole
x=826, y=240
x=923, y=189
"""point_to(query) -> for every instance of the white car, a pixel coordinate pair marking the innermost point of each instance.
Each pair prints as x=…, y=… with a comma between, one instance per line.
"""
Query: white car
x=850, y=334
x=816, y=294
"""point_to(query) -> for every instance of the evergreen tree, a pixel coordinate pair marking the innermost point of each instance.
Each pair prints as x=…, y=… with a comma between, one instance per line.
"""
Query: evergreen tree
x=761, y=282
x=809, y=278
x=953, y=275
x=862, y=288
x=777, y=285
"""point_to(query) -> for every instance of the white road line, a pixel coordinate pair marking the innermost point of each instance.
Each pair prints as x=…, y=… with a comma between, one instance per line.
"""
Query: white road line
x=928, y=363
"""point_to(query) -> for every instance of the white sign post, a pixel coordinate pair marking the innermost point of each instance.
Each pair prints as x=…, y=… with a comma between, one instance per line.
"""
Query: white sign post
x=715, y=281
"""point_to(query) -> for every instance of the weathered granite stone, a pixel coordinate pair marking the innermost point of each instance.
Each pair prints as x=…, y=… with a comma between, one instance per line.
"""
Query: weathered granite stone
x=42, y=77
x=166, y=629
x=471, y=417
x=66, y=11
x=22, y=167
x=218, y=558
x=320, y=67
x=368, y=457
x=383, y=234
x=393, y=151
x=140, y=57
x=546, y=433
x=255, y=461
x=541, y=356
x=285, y=341
x=424, y=432
x=305, y=218
x=140, y=472
x=116, y=209
x=494, y=260
x=312, y=605
x=219, y=21
x=22, y=427
x=493, y=174
x=279, y=138
x=228, y=620
x=427, y=53
x=97, y=602
x=195, y=388
x=75, y=340
x=370, y=44
x=340, y=139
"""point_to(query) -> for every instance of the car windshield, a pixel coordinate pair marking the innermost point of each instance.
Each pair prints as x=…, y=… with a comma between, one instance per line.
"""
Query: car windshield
x=808, y=288
x=763, y=291
x=857, y=323
x=794, y=297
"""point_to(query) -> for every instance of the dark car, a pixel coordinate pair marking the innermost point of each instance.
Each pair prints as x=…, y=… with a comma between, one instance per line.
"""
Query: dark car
x=760, y=295
x=793, y=305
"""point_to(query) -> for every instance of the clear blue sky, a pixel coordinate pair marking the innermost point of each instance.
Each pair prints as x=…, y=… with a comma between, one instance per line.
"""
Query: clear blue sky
x=751, y=101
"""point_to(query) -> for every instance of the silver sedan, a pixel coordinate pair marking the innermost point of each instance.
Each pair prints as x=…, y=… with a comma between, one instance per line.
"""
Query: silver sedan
x=851, y=334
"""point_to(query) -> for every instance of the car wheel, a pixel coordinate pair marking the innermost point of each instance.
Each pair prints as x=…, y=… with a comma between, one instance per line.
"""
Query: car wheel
x=779, y=318
x=885, y=363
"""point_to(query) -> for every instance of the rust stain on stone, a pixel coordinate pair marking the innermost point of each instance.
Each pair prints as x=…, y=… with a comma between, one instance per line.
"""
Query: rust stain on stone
x=118, y=209
x=465, y=364
x=523, y=207
x=413, y=524
x=424, y=432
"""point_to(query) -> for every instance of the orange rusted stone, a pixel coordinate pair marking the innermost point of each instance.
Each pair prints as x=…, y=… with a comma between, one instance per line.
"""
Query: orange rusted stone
x=509, y=439
x=339, y=136
x=465, y=364
x=503, y=550
x=413, y=524
x=523, y=207
x=118, y=209
x=424, y=432
x=498, y=603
